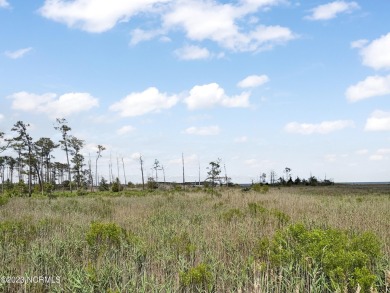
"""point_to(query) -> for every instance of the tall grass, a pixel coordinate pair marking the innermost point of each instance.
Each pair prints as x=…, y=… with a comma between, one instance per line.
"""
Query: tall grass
x=186, y=241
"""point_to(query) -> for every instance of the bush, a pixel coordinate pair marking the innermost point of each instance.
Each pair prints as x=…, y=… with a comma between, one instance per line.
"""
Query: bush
x=104, y=234
x=260, y=188
x=116, y=186
x=231, y=214
x=198, y=278
x=103, y=185
x=345, y=260
x=3, y=200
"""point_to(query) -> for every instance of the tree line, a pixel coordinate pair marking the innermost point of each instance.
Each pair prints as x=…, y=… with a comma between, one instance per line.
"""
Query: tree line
x=35, y=160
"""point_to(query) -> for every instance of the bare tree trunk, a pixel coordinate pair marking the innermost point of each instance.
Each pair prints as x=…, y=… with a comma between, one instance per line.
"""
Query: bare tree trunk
x=182, y=160
x=124, y=172
x=142, y=172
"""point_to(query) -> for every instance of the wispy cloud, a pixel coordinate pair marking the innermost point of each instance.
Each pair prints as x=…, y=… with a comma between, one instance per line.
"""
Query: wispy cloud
x=4, y=4
x=321, y=128
x=331, y=10
x=191, y=52
x=125, y=130
x=18, y=53
x=253, y=81
x=206, y=130
x=241, y=139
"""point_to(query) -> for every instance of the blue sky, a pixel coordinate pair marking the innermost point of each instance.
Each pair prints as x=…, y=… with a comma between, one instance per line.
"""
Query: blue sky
x=261, y=84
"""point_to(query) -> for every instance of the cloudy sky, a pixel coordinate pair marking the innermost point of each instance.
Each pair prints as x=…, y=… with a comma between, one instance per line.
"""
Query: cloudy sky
x=262, y=84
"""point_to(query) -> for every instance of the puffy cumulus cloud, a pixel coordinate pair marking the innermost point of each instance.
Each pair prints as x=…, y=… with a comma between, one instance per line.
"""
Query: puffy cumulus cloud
x=321, y=128
x=372, y=86
x=332, y=9
x=52, y=104
x=209, y=95
x=191, y=52
x=253, y=81
x=4, y=4
x=230, y=25
x=95, y=16
x=125, y=129
x=148, y=101
x=377, y=53
x=18, y=53
x=378, y=121
x=210, y=20
x=206, y=130
x=1, y=117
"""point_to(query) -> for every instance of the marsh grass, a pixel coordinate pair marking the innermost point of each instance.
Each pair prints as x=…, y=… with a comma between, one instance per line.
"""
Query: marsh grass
x=186, y=241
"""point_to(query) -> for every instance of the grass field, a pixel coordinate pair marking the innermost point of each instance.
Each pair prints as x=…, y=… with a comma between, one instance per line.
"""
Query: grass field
x=297, y=239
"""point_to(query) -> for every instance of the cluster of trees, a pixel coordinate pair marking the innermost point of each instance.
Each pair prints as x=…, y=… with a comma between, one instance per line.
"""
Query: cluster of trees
x=287, y=179
x=35, y=160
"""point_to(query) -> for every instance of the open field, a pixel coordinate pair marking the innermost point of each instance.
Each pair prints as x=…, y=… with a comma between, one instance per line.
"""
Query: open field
x=196, y=241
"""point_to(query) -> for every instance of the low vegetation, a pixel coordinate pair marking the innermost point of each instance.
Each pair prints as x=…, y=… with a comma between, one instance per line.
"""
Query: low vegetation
x=289, y=239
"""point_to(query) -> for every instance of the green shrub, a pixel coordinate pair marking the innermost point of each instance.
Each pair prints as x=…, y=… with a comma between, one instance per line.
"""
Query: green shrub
x=198, y=279
x=346, y=260
x=105, y=234
x=256, y=209
x=282, y=218
x=3, y=200
x=116, y=186
x=182, y=245
x=231, y=214
x=260, y=188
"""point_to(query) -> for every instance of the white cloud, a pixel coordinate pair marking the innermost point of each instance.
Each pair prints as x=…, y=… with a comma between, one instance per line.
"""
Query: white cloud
x=95, y=16
x=380, y=154
x=52, y=105
x=148, y=101
x=332, y=9
x=125, y=129
x=321, y=128
x=253, y=81
x=140, y=35
x=223, y=23
x=361, y=152
x=209, y=95
x=2, y=117
x=135, y=156
x=191, y=52
x=359, y=43
x=209, y=20
x=18, y=53
x=241, y=139
x=331, y=158
x=377, y=53
x=372, y=86
x=206, y=130
x=376, y=157
x=4, y=4
x=188, y=160
x=378, y=121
